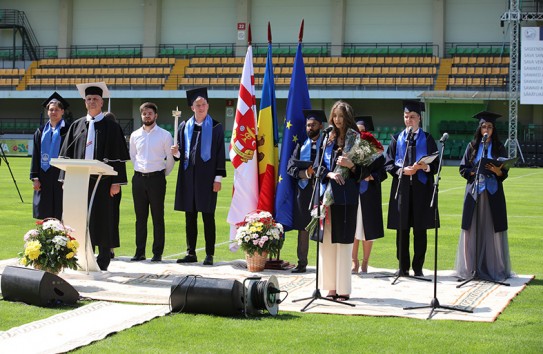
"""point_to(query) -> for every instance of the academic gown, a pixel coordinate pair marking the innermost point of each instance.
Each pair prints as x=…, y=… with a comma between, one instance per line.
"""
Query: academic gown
x=301, y=213
x=371, y=202
x=110, y=148
x=47, y=202
x=194, y=190
x=344, y=210
x=496, y=201
x=423, y=215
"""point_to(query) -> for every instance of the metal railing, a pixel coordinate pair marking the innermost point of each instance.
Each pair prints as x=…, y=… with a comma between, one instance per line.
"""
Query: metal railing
x=18, y=21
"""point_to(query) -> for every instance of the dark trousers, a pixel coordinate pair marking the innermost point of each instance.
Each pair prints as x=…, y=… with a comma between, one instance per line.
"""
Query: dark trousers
x=191, y=220
x=419, y=241
x=148, y=193
x=104, y=257
x=419, y=246
x=303, y=247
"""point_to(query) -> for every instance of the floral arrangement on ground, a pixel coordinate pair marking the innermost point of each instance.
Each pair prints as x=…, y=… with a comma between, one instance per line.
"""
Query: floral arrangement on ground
x=259, y=233
x=50, y=247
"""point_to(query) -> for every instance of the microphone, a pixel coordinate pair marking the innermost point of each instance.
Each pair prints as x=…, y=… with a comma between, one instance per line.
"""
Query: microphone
x=73, y=142
x=485, y=137
x=444, y=137
x=410, y=133
x=328, y=130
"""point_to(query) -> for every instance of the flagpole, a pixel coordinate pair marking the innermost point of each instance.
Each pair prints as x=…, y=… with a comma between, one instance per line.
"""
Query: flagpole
x=242, y=149
x=276, y=263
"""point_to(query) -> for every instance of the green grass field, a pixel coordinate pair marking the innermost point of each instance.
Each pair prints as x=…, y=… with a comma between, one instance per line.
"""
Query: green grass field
x=518, y=330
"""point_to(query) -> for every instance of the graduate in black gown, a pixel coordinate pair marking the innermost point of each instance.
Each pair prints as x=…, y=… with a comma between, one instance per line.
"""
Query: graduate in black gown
x=341, y=215
x=98, y=138
x=47, y=201
x=370, y=226
x=202, y=165
x=305, y=151
x=484, y=216
x=416, y=188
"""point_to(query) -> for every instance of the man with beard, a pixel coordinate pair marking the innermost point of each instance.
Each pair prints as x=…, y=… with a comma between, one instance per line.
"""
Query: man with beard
x=150, y=153
x=300, y=168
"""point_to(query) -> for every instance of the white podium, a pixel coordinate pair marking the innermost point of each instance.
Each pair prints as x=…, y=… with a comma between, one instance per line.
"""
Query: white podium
x=75, y=201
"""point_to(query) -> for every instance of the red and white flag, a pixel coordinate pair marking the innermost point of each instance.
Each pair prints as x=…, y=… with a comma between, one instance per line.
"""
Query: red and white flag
x=243, y=150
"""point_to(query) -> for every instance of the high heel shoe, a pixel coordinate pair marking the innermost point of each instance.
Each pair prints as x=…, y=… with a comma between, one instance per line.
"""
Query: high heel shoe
x=354, y=269
x=364, y=268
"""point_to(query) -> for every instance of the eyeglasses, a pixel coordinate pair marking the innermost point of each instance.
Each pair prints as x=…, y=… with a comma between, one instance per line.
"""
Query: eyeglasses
x=488, y=127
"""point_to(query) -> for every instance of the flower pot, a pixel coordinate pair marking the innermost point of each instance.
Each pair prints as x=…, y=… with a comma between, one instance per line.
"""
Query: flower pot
x=256, y=262
x=47, y=269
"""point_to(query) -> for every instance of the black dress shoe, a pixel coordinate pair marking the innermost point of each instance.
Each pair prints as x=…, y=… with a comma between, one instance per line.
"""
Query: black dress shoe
x=402, y=273
x=189, y=258
x=299, y=269
x=208, y=260
x=137, y=258
x=419, y=273
x=156, y=259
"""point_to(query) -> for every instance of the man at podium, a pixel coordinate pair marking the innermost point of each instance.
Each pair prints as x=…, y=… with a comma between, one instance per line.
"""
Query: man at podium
x=94, y=138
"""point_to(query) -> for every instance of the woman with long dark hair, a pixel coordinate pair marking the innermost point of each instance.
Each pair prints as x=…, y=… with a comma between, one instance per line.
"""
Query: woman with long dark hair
x=484, y=219
x=341, y=213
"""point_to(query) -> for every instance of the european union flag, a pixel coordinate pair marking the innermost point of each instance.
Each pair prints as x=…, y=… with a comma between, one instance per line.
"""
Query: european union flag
x=293, y=131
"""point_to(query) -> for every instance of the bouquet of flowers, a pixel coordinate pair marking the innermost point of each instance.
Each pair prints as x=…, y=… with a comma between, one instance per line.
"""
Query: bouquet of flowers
x=360, y=151
x=315, y=218
x=50, y=247
x=259, y=232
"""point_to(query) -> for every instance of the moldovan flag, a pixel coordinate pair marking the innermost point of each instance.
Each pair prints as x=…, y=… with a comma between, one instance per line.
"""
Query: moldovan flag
x=268, y=139
x=294, y=131
x=243, y=151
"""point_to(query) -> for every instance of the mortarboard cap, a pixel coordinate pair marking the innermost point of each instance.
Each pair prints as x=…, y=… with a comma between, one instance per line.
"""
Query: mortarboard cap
x=56, y=97
x=366, y=121
x=317, y=114
x=413, y=106
x=93, y=88
x=486, y=116
x=193, y=94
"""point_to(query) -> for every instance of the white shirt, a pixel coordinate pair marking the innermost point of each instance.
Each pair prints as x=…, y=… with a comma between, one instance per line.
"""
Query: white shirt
x=150, y=151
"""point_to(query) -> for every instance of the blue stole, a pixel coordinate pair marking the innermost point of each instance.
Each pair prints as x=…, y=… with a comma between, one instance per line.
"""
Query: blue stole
x=50, y=143
x=420, y=147
x=327, y=162
x=305, y=155
x=205, y=144
x=363, y=186
x=485, y=182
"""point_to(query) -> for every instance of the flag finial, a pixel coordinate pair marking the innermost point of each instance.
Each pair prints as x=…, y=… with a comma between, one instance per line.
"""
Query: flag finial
x=269, y=33
x=249, y=35
x=301, y=35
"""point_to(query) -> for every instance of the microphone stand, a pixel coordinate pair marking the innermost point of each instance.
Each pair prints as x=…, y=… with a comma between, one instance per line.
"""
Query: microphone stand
x=87, y=230
x=475, y=274
x=434, y=304
x=9, y=168
x=398, y=197
x=316, y=191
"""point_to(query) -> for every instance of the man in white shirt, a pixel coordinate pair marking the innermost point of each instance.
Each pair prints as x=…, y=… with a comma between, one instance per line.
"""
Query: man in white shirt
x=150, y=153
